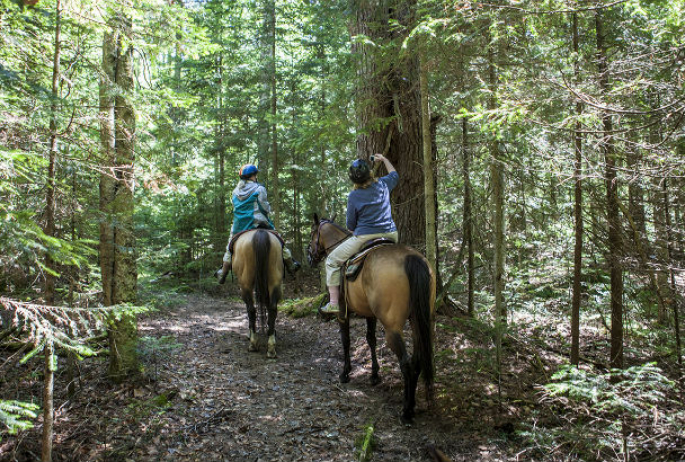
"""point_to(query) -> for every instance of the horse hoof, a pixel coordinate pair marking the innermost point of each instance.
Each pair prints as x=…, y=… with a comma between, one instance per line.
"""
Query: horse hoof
x=375, y=380
x=344, y=378
x=407, y=420
x=253, y=348
x=271, y=354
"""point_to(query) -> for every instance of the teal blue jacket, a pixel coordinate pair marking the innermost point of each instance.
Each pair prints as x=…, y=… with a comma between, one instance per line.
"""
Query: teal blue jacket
x=251, y=208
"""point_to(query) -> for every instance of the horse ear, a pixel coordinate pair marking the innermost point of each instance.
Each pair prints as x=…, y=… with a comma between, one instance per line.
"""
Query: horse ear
x=334, y=216
x=316, y=219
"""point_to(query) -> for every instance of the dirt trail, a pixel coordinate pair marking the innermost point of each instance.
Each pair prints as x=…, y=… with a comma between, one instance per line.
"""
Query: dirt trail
x=239, y=406
x=211, y=400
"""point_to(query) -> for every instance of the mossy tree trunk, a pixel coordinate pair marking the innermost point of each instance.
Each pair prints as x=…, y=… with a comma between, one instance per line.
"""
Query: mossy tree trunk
x=117, y=239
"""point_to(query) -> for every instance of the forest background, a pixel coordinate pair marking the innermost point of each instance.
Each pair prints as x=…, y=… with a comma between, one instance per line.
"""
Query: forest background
x=540, y=145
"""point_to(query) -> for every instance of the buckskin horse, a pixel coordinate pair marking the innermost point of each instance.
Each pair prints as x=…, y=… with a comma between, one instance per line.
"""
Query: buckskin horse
x=395, y=283
x=258, y=266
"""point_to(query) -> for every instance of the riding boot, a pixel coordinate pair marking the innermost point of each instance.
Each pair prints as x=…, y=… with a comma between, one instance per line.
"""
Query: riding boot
x=291, y=265
x=223, y=272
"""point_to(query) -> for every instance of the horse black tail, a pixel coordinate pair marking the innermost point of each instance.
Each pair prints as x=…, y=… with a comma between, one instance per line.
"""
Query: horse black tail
x=261, y=242
x=419, y=276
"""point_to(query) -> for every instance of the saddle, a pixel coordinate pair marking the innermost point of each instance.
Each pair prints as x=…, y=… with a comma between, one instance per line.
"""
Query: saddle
x=353, y=266
x=237, y=235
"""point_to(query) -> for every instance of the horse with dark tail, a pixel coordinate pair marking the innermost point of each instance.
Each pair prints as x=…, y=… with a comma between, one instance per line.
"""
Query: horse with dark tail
x=395, y=284
x=258, y=266
x=420, y=317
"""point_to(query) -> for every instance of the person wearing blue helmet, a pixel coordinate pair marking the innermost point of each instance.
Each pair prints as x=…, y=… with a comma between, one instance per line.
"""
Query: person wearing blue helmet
x=368, y=217
x=251, y=210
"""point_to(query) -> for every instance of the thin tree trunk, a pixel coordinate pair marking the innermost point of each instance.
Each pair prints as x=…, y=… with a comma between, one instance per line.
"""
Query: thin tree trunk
x=48, y=402
x=323, y=178
x=674, y=303
x=50, y=194
x=497, y=179
x=428, y=164
x=578, y=218
x=274, y=190
x=467, y=219
x=613, y=212
x=222, y=156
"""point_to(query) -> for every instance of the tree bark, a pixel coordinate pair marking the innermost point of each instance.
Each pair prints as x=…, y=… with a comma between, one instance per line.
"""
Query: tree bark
x=467, y=219
x=387, y=90
x=107, y=175
x=613, y=212
x=274, y=189
x=48, y=401
x=54, y=139
x=676, y=317
x=428, y=164
x=497, y=184
x=118, y=261
x=221, y=214
x=263, y=127
x=577, y=216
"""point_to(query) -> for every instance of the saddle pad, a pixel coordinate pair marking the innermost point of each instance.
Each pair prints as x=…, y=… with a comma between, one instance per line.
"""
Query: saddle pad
x=354, y=265
x=236, y=236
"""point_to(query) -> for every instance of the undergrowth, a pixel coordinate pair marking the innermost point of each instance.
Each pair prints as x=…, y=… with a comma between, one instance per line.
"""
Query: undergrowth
x=631, y=414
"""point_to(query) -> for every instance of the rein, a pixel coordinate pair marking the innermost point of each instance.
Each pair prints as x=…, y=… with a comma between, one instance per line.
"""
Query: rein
x=326, y=249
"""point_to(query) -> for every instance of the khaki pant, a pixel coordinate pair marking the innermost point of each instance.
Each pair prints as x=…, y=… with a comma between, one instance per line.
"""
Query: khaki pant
x=345, y=250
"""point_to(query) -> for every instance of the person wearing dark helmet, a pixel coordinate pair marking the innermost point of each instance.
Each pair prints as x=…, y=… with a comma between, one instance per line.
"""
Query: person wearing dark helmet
x=368, y=217
x=251, y=210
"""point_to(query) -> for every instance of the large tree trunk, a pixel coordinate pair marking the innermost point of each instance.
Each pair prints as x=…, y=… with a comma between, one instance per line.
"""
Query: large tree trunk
x=613, y=211
x=387, y=90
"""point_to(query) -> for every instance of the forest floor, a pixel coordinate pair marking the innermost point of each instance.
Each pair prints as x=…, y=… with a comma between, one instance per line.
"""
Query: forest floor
x=206, y=398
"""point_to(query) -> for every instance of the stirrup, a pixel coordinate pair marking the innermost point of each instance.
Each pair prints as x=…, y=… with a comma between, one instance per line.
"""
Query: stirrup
x=292, y=266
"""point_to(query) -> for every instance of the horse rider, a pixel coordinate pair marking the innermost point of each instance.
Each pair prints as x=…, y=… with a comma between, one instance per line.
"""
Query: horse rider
x=368, y=217
x=251, y=210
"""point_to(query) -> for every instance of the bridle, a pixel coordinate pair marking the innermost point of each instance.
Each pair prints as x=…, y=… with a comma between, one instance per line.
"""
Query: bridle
x=319, y=251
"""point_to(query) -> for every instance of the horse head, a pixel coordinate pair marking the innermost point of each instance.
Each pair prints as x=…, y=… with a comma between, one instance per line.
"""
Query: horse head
x=325, y=236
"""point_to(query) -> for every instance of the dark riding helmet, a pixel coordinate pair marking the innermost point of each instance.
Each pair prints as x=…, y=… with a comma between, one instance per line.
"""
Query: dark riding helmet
x=359, y=171
x=247, y=170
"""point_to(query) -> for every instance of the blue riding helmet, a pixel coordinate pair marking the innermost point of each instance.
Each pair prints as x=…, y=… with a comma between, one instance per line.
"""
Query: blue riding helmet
x=247, y=170
x=359, y=171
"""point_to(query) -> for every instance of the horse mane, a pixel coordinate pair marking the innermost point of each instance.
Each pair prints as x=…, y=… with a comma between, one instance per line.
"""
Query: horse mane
x=329, y=221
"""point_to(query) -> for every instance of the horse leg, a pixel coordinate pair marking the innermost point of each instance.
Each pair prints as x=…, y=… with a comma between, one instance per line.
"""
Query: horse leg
x=248, y=298
x=345, y=336
x=272, y=313
x=396, y=343
x=371, y=340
